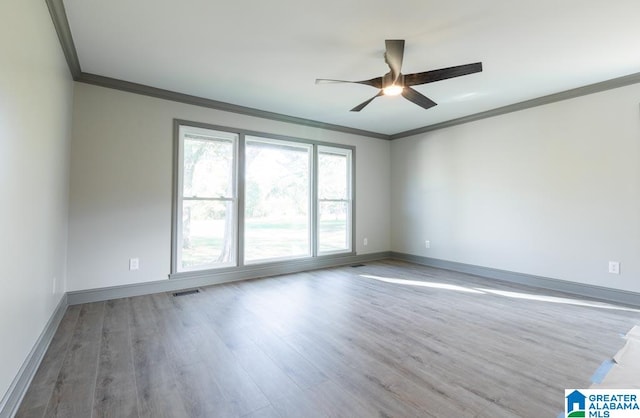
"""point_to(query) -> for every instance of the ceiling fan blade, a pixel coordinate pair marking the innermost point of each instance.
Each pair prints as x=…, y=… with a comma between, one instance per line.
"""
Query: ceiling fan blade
x=441, y=74
x=417, y=98
x=363, y=104
x=374, y=82
x=393, y=56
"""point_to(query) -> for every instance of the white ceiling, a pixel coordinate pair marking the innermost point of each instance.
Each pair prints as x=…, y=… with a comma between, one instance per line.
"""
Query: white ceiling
x=267, y=54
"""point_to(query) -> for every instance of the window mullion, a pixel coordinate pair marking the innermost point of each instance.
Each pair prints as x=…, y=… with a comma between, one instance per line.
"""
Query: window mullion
x=240, y=184
x=335, y=200
x=314, y=206
x=211, y=199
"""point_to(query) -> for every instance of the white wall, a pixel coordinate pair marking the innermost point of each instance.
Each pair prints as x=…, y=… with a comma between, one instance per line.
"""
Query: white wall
x=35, y=126
x=121, y=179
x=551, y=191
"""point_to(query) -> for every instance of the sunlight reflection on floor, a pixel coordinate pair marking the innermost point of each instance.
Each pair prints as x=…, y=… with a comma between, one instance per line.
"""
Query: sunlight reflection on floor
x=513, y=295
x=422, y=283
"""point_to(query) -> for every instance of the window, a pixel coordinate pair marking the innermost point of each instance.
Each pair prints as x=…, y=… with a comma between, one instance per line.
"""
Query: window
x=334, y=200
x=207, y=203
x=277, y=215
x=245, y=198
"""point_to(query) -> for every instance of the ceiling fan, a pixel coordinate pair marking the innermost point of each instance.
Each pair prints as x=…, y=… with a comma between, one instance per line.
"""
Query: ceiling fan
x=394, y=82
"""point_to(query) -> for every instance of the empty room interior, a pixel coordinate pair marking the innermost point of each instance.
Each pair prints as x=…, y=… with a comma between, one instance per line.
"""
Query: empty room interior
x=312, y=209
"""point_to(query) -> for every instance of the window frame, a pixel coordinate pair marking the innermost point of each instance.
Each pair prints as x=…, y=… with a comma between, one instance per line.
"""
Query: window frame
x=311, y=227
x=239, y=184
x=348, y=153
x=179, y=197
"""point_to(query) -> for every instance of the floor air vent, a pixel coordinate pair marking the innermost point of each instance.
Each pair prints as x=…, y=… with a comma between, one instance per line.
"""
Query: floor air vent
x=186, y=292
x=358, y=265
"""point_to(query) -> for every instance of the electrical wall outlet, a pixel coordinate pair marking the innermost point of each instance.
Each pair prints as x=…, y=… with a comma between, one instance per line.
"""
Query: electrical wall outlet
x=365, y=242
x=427, y=244
x=614, y=267
x=134, y=264
x=55, y=282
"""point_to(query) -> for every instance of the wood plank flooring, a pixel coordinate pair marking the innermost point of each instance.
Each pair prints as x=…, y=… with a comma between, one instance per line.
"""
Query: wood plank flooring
x=388, y=339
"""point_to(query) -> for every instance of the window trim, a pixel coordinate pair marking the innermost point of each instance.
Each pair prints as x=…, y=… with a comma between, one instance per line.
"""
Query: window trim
x=311, y=150
x=240, y=263
x=179, y=199
x=349, y=153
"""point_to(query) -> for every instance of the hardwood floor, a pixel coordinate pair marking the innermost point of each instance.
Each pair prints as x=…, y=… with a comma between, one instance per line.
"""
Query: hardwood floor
x=388, y=339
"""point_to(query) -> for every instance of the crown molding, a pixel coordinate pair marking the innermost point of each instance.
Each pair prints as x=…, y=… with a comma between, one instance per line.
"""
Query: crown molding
x=61, y=24
x=527, y=104
x=130, y=87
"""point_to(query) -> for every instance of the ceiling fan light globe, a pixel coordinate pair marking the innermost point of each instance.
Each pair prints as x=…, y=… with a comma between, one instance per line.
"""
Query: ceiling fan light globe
x=392, y=90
